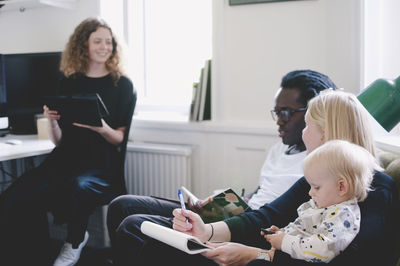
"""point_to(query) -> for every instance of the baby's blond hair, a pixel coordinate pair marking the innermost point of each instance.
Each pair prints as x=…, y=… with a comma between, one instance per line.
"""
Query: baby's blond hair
x=343, y=159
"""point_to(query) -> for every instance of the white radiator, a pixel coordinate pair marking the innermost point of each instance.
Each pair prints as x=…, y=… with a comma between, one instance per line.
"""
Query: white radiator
x=157, y=169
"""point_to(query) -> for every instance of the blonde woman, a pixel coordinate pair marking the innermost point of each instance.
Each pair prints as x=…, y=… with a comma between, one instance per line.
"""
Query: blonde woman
x=331, y=115
x=81, y=172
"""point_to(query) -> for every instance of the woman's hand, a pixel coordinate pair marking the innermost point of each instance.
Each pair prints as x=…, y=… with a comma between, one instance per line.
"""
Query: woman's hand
x=114, y=136
x=50, y=114
x=96, y=129
x=229, y=253
x=53, y=129
x=194, y=225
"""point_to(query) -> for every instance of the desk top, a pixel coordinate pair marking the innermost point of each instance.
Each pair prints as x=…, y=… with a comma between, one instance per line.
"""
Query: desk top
x=30, y=146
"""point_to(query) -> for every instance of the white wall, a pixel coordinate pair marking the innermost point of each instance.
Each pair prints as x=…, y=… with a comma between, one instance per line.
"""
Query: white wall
x=381, y=40
x=391, y=39
x=254, y=45
x=41, y=28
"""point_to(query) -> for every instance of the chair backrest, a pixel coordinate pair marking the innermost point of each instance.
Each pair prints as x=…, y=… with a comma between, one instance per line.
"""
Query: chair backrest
x=120, y=167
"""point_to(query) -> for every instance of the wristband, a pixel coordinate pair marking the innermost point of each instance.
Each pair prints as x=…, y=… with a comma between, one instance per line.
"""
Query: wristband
x=263, y=255
x=212, y=232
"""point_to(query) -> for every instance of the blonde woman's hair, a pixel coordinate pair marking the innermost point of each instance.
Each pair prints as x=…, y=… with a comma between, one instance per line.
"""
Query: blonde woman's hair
x=341, y=115
x=345, y=160
x=75, y=58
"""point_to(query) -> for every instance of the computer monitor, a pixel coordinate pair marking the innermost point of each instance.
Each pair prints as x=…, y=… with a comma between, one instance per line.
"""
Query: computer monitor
x=27, y=78
x=3, y=114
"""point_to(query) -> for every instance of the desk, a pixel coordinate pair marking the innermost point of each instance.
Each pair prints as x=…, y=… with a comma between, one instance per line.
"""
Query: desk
x=30, y=146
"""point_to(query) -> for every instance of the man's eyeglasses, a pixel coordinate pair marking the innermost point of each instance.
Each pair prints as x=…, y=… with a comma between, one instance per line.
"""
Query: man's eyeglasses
x=286, y=114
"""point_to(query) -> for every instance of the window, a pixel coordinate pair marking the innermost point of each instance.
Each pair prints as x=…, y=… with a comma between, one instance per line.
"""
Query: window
x=168, y=43
x=381, y=40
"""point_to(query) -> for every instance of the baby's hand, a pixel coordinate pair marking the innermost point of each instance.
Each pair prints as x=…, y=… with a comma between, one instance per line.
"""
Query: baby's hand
x=268, y=231
x=274, y=229
x=275, y=239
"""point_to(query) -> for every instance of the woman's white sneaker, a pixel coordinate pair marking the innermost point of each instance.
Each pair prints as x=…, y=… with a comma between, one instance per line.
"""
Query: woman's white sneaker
x=69, y=256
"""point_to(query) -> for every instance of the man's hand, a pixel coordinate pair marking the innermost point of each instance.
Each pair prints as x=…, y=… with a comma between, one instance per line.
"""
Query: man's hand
x=197, y=206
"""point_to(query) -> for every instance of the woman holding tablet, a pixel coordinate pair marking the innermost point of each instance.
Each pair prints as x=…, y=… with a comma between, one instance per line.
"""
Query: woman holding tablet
x=81, y=172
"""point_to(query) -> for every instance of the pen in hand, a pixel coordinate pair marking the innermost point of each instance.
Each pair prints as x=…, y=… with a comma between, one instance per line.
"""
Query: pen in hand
x=180, y=196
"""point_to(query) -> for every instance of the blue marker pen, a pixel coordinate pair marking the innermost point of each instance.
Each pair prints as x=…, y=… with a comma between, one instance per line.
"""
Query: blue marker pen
x=180, y=196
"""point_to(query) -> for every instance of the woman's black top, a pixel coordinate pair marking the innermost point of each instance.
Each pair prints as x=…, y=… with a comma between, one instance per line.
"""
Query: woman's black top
x=82, y=149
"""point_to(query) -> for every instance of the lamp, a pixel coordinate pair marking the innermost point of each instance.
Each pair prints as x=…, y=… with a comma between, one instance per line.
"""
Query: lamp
x=382, y=100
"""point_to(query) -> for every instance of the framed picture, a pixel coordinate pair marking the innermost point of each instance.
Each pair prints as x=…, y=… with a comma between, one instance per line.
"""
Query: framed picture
x=246, y=2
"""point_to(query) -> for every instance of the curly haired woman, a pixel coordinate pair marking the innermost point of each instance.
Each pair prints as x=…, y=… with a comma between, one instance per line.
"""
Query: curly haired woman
x=79, y=174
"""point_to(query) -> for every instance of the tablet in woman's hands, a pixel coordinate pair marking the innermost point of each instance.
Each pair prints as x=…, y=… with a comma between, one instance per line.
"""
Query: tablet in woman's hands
x=86, y=109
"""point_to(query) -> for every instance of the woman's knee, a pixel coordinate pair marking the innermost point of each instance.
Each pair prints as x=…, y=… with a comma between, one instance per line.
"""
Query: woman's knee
x=81, y=182
x=87, y=184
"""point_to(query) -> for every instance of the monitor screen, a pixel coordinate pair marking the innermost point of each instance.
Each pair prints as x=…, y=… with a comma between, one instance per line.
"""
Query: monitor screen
x=2, y=88
x=27, y=78
x=3, y=114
